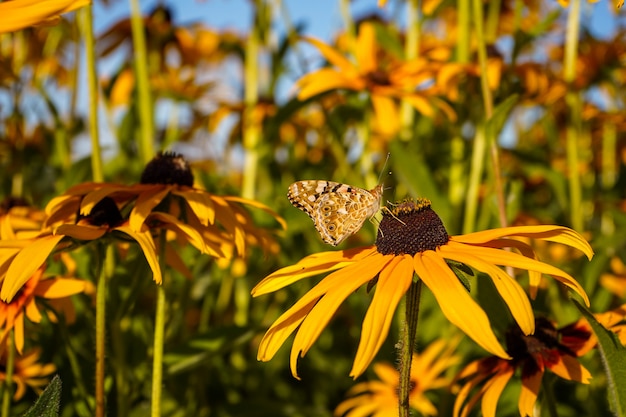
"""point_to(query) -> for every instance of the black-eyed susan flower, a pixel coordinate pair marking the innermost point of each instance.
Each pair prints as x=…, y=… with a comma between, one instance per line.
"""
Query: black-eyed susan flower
x=24, y=303
x=386, y=82
x=103, y=219
x=28, y=372
x=412, y=240
x=19, y=14
x=548, y=348
x=380, y=398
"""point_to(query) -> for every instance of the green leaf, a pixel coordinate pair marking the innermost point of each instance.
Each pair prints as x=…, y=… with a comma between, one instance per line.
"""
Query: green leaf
x=412, y=171
x=613, y=356
x=47, y=405
x=500, y=115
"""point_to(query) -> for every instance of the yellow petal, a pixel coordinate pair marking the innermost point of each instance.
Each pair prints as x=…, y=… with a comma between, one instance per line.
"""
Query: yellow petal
x=386, y=113
x=94, y=197
x=18, y=327
x=568, y=367
x=25, y=263
x=326, y=79
x=528, y=395
x=510, y=290
x=148, y=248
x=146, y=201
x=19, y=14
x=59, y=287
x=393, y=282
x=340, y=285
x=81, y=232
x=260, y=206
x=366, y=48
x=493, y=389
x=200, y=203
x=455, y=302
x=502, y=257
x=311, y=265
x=549, y=233
x=335, y=58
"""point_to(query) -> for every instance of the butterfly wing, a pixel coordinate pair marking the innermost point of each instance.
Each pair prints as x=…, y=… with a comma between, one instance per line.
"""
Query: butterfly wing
x=337, y=210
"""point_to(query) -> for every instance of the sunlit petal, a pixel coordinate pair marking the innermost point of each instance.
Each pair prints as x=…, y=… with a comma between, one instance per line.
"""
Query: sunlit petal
x=455, y=302
x=19, y=14
x=148, y=248
x=393, y=282
x=493, y=390
x=312, y=265
x=334, y=57
x=510, y=290
x=146, y=201
x=530, y=390
x=26, y=262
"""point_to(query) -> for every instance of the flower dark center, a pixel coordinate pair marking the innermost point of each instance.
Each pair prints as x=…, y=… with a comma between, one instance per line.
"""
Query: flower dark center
x=544, y=346
x=167, y=168
x=409, y=228
x=105, y=212
x=378, y=77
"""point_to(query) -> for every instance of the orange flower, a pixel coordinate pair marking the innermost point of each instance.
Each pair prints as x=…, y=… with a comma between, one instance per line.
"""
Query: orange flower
x=24, y=304
x=28, y=372
x=547, y=348
x=380, y=398
x=385, y=83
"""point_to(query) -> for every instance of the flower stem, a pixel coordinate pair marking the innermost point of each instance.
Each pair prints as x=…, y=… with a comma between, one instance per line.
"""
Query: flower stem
x=488, y=106
x=8, y=382
x=572, y=98
x=159, y=331
x=406, y=346
x=92, y=83
x=251, y=122
x=101, y=289
x=142, y=77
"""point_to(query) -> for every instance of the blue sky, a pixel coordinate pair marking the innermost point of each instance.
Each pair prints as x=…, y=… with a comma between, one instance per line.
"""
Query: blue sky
x=322, y=16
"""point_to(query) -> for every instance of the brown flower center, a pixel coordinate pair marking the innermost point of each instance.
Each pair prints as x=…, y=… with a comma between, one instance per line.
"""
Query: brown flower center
x=167, y=168
x=409, y=228
x=378, y=77
x=105, y=212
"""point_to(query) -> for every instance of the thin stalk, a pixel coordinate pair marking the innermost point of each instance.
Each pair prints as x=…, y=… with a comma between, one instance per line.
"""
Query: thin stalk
x=101, y=291
x=92, y=86
x=142, y=77
x=7, y=386
x=476, y=169
x=406, y=346
x=572, y=98
x=251, y=127
x=159, y=332
x=457, y=170
x=609, y=172
x=411, y=52
x=488, y=105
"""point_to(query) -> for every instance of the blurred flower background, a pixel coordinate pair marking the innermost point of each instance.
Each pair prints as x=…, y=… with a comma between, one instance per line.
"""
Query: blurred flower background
x=133, y=284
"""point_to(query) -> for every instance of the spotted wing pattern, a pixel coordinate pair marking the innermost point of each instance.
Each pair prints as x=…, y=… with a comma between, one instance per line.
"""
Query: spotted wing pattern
x=338, y=210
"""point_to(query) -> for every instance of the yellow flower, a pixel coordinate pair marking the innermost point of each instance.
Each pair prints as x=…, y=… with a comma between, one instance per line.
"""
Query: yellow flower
x=385, y=82
x=28, y=373
x=380, y=398
x=19, y=14
x=548, y=348
x=12, y=313
x=412, y=240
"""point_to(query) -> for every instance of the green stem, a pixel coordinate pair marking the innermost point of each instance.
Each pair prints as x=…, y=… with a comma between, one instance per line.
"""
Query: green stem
x=92, y=84
x=142, y=77
x=251, y=128
x=573, y=129
x=7, y=388
x=411, y=52
x=488, y=105
x=476, y=169
x=101, y=291
x=406, y=346
x=159, y=332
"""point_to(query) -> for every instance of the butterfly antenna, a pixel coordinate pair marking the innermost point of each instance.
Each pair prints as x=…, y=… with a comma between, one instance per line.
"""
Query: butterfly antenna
x=384, y=166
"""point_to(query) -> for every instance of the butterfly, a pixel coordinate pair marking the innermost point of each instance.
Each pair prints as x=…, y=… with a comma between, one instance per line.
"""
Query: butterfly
x=338, y=210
